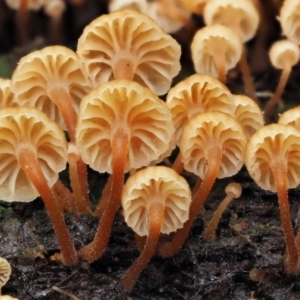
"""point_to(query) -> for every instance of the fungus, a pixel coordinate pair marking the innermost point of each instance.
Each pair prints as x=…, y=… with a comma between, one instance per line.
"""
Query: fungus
x=283, y=55
x=139, y=5
x=129, y=45
x=212, y=145
x=272, y=159
x=155, y=200
x=54, y=81
x=194, y=6
x=6, y=94
x=243, y=18
x=233, y=190
x=291, y=117
x=33, y=151
x=196, y=94
x=248, y=113
x=215, y=50
x=5, y=272
x=121, y=125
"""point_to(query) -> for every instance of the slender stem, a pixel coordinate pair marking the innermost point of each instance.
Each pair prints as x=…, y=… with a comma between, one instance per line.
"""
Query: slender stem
x=178, y=164
x=280, y=174
x=219, y=57
x=140, y=241
x=155, y=217
x=66, y=195
x=29, y=164
x=244, y=67
x=95, y=249
x=22, y=22
x=214, y=157
x=279, y=90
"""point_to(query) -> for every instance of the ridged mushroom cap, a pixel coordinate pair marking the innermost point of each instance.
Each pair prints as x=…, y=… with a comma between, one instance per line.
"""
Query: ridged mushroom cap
x=241, y=13
x=6, y=94
x=40, y=71
x=5, y=272
x=291, y=117
x=197, y=94
x=271, y=143
x=248, y=114
x=284, y=54
x=208, y=130
x=24, y=126
x=139, y=5
x=135, y=41
x=32, y=4
x=289, y=18
x=156, y=184
x=215, y=40
x=126, y=105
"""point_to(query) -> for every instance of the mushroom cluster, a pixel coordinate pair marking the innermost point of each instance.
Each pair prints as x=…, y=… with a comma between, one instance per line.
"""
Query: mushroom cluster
x=98, y=106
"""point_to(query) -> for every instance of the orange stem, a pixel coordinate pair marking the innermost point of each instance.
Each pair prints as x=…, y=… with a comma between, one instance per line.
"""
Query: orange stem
x=279, y=90
x=66, y=195
x=29, y=164
x=280, y=174
x=178, y=165
x=22, y=22
x=214, y=157
x=95, y=249
x=155, y=218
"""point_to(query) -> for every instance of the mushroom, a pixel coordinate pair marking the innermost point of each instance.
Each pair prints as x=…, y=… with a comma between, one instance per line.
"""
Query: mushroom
x=121, y=125
x=6, y=94
x=155, y=200
x=243, y=18
x=283, y=55
x=196, y=94
x=139, y=5
x=129, y=45
x=233, y=190
x=54, y=81
x=272, y=159
x=248, y=113
x=33, y=151
x=194, y=6
x=5, y=272
x=291, y=117
x=212, y=145
x=215, y=50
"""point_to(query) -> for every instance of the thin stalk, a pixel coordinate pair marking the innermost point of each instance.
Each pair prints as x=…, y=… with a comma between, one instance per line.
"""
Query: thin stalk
x=66, y=196
x=178, y=165
x=214, y=157
x=22, y=22
x=29, y=164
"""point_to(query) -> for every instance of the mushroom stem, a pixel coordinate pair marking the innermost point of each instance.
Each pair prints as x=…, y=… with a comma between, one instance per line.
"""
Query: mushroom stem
x=94, y=250
x=22, y=22
x=244, y=67
x=213, y=159
x=178, y=164
x=275, y=98
x=219, y=58
x=29, y=164
x=66, y=196
x=61, y=97
x=155, y=218
x=280, y=175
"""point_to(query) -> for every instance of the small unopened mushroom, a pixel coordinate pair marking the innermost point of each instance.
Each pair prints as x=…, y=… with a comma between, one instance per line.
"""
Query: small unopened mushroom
x=5, y=272
x=233, y=191
x=212, y=146
x=215, y=50
x=154, y=200
x=248, y=113
x=289, y=20
x=121, y=125
x=129, y=45
x=33, y=151
x=243, y=18
x=283, y=55
x=273, y=159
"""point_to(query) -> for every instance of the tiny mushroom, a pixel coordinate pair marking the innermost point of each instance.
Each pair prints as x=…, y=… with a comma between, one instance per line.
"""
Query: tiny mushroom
x=5, y=272
x=155, y=200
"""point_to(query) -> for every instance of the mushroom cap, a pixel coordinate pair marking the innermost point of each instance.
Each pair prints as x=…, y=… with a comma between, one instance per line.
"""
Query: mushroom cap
x=228, y=12
x=291, y=117
x=7, y=297
x=54, y=8
x=234, y=189
x=156, y=184
x=209, y=130
x=41, y=71
x=133, y=36
x=197, y=94
x=289, y=18
x=139, y=5
x=32, y=4
x=248, y=114
x=6, y=94
x=5, y=272
x=194, y=6
x=215, y=40
x=28, y=127
x=271, y=143
x=284, y=54
x=125, y=105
